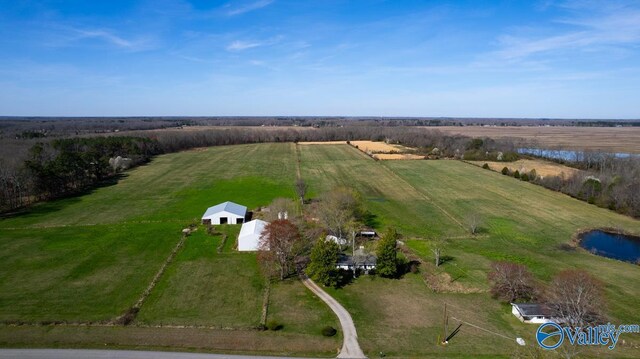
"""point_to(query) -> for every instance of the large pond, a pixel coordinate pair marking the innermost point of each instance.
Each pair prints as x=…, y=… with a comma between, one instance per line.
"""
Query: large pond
x=616, y=246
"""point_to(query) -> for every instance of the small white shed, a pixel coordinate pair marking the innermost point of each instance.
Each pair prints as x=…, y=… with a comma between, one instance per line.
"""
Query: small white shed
x=250, y=234
x=225, y=213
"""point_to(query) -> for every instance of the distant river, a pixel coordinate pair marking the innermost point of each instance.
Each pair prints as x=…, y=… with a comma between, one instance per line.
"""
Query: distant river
x=567, y=155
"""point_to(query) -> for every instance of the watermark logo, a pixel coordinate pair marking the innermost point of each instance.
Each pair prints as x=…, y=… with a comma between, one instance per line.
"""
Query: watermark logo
x=550, y=335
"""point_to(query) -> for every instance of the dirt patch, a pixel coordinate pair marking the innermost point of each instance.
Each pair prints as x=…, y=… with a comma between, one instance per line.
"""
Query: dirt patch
x=437, y=281
x=323, y=143
x=543, y=168
x=397, y=156
x=378, y=147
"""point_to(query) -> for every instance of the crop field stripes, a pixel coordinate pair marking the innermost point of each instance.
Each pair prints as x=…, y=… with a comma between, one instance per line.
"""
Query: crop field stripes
x=424, y=196
x=421, y=193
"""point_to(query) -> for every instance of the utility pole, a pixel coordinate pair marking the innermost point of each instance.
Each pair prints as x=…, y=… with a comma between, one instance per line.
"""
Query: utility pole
x=445, y=324
x=353, y=251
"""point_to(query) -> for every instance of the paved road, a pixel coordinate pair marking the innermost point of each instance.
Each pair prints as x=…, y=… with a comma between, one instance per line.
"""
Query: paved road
x=350, y=346
x=113, y=354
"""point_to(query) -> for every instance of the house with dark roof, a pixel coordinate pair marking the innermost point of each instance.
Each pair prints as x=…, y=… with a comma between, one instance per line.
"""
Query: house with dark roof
x=531, y=312
x=360, y=260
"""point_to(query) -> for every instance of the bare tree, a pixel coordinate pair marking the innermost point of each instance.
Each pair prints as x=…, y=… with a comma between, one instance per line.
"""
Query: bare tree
x=437, y=251
x=511, y=281
x=301, y=189
x=575, y=298
x=338, y=208
x=436, y=248
x=278, y=246
x=474, y=221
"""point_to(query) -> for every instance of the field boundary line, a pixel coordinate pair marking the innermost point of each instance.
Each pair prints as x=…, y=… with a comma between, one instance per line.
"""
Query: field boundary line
x=297, y=151
x=132, y=312
x=265, y=304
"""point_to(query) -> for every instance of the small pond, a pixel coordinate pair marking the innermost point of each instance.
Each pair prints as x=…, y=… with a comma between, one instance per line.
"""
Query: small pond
x=611, y=245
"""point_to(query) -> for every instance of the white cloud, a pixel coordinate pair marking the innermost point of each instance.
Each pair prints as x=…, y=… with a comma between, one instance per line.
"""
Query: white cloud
x=239, y=10
x=599, y=28
x=106, y=36
x=242, y=45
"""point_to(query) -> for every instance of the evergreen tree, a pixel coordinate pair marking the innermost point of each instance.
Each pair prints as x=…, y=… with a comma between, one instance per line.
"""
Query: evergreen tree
x=387, y=265
x=322, y=267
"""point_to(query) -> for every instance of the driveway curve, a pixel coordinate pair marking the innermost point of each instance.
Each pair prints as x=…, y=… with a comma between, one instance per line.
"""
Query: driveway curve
x=350, y=346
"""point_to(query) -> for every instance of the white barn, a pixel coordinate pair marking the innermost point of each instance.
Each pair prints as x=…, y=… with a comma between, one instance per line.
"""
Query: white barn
x=225, y=213
x=250, y=235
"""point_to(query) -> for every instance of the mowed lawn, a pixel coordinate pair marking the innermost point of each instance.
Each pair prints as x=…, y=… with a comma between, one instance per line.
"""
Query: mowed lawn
x=89, y=258
x=204, y=287
x=80, y=273
x=521, y=222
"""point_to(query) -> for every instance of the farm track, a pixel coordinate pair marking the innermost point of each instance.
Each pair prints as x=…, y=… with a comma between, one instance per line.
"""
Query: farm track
x=425, y=196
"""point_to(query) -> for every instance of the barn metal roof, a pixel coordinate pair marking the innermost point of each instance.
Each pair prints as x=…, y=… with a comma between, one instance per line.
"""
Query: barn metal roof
x=230, y=207
x=252, y=227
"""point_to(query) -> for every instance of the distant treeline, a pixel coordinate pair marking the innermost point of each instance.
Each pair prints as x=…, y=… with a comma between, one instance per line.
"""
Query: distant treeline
x=37, y=127
x=606, y=180
x=59, y=167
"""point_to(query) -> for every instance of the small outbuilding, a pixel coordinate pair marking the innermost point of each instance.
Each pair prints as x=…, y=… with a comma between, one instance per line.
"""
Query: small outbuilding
x=531, y=312
x=225, y=213
x=250, y=235
x=339, y=241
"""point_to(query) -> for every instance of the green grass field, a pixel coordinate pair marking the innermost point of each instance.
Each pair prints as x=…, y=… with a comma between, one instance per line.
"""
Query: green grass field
x=521, y=222
x=89, y=258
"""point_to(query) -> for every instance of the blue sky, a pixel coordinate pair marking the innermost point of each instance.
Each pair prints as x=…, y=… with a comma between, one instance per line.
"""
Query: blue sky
x=558, y=59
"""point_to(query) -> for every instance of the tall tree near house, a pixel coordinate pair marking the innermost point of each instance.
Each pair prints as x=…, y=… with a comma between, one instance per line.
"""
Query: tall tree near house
x=511, y=282
x=337, y=208
x=322, y=267
x=353, y=227
x=575, y=298
x=387, y=254
x=279, y=246
x=301, y=189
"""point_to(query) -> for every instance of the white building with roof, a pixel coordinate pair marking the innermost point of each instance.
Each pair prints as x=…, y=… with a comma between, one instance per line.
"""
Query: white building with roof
x=250, y=235
x=531, y=312
x=225, y=213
